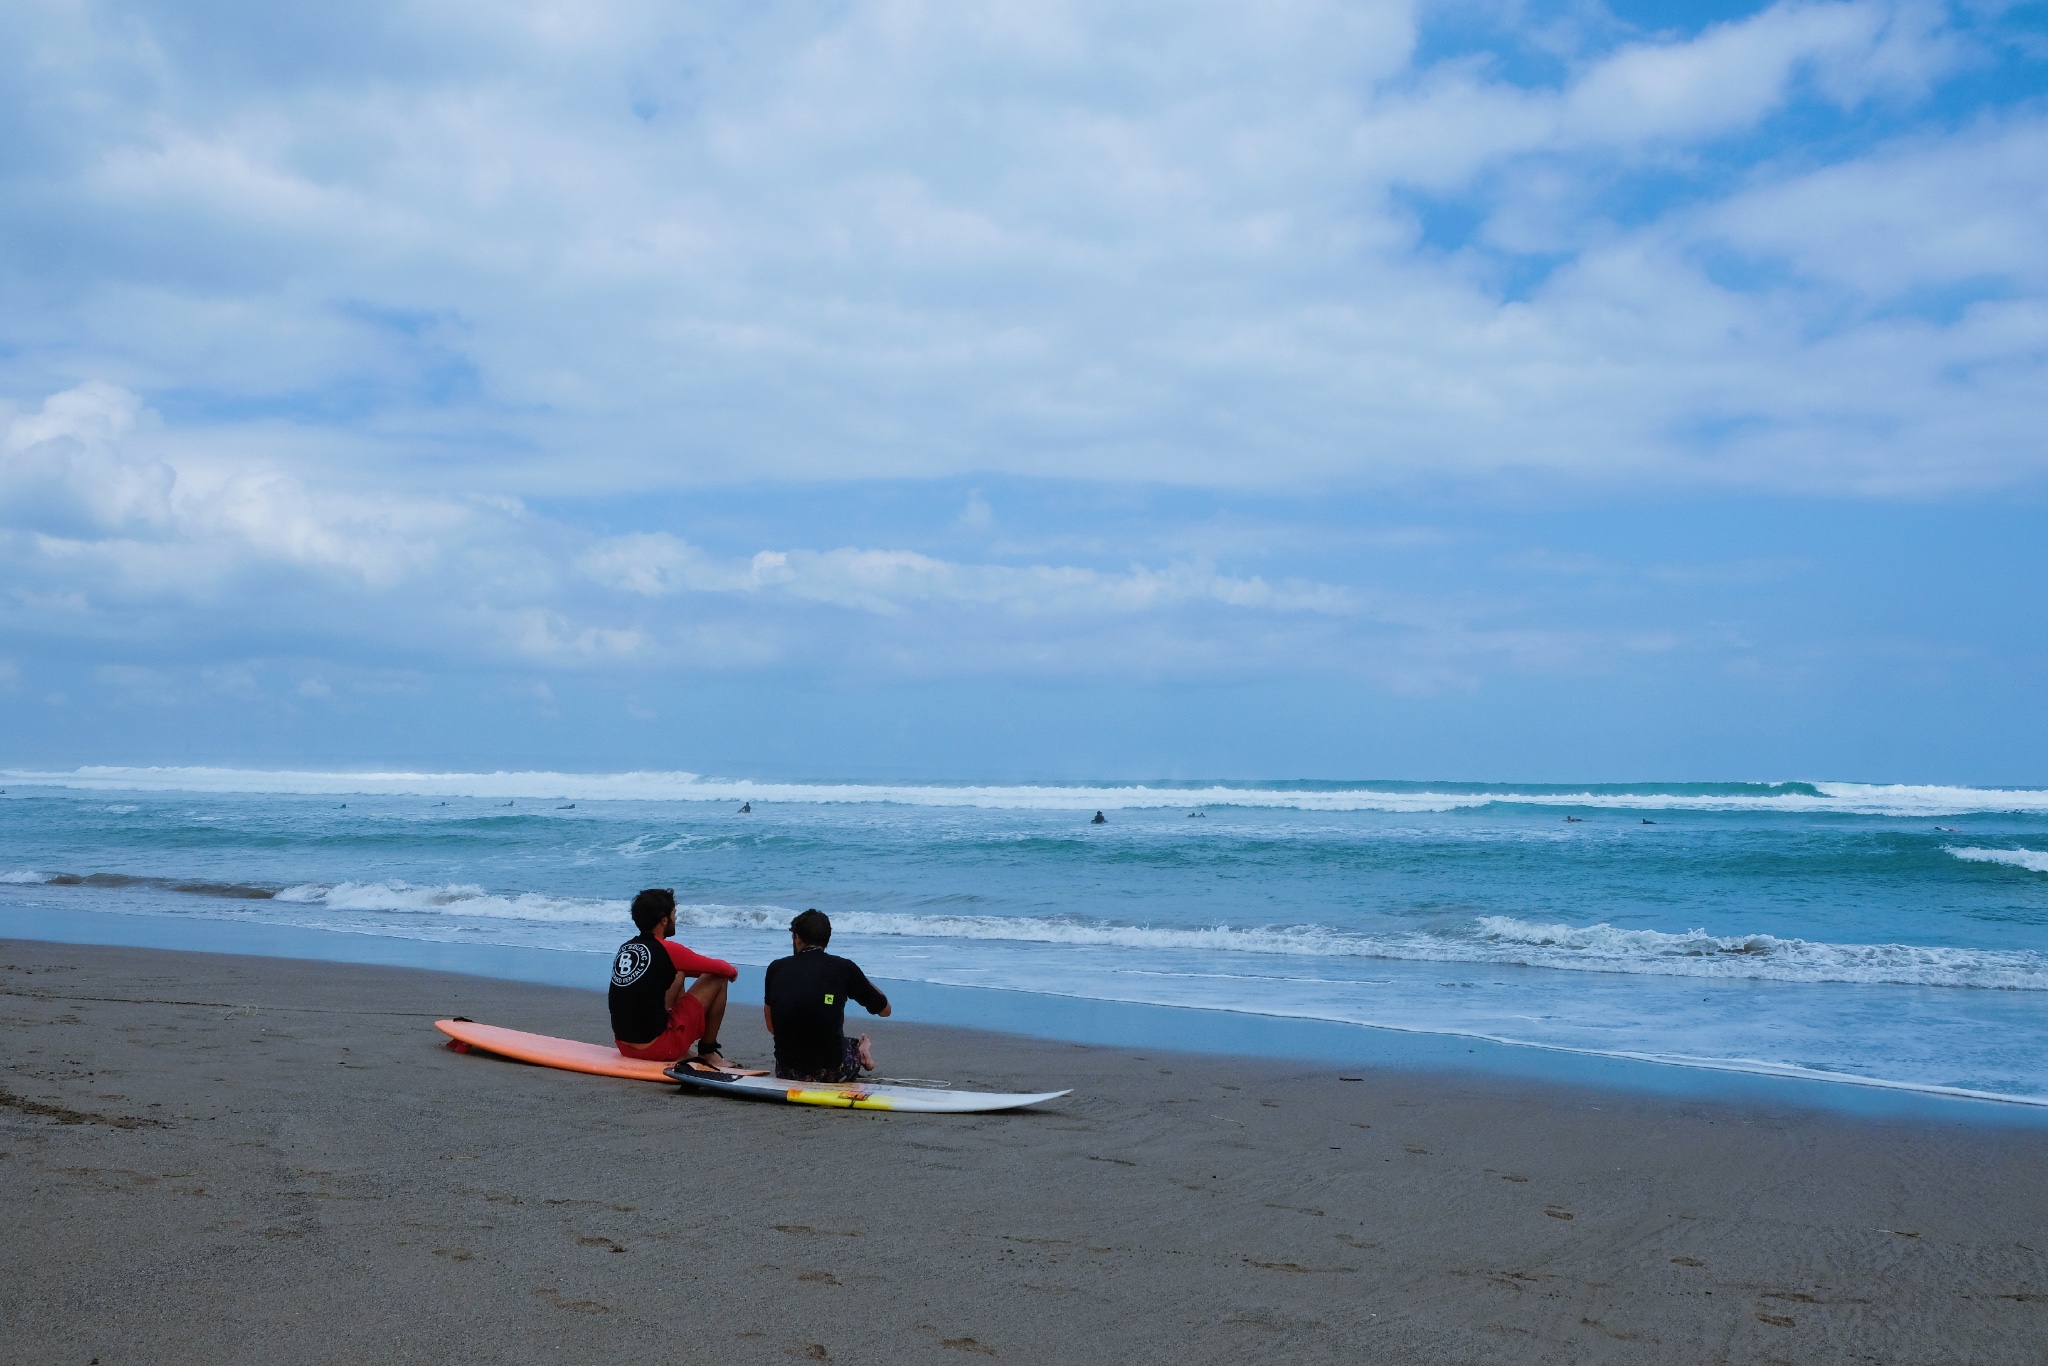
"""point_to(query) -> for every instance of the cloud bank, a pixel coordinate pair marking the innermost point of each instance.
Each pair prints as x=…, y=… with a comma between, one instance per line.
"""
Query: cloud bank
x=103, y=528
x=558, y=343
x=1304, y=245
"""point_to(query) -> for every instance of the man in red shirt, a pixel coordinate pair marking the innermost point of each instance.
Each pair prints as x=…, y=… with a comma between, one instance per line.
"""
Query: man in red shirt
x=655, y=1013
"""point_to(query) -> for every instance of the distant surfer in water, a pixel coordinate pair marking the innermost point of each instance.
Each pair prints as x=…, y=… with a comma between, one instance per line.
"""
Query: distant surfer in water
x=803, y=1003
x=1098, y=820
x=655, y=1013
x=746, y=808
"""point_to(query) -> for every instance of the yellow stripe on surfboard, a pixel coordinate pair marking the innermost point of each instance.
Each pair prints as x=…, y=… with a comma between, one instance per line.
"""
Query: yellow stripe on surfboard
x=845, y=1100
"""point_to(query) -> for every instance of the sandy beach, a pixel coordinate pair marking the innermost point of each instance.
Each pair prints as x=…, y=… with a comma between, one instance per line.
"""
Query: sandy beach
x=217, y=1159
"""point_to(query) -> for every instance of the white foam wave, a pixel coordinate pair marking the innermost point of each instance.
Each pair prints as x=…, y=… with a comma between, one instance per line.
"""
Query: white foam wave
x=1905, y=799
x=640, y=846
x=1867, y=1066
x=1491, y=939
x=456, y=900
x=1845, y=798
x=25, y=877
x=2033, y=860
x=1699, y=954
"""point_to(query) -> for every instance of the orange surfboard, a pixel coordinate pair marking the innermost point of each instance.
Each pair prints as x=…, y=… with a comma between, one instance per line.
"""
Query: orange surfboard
x=601, y=1060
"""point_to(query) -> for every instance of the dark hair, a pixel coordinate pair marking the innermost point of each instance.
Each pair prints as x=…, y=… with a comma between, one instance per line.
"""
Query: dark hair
x=653, y=906
x=814, y=927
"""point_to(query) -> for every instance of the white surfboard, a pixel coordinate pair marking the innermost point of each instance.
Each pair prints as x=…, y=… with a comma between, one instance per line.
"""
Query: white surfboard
x=858, y=1095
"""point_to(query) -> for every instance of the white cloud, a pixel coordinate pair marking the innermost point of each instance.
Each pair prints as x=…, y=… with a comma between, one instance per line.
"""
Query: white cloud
x=551, y=637
x=433, y=295
x=656, y=247
x=63, y=463
x=892, y=581
x=1458, y=120
x=1928, y=213
x=439, y=580
x=1734, y=74
x=654, y=564
x=72, y=473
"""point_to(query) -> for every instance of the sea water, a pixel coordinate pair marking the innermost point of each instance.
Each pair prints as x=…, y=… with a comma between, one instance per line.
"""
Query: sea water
x=1883, y=935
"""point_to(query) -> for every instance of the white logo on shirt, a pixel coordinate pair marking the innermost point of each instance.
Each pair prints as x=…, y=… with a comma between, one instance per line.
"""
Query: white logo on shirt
x=632, y=963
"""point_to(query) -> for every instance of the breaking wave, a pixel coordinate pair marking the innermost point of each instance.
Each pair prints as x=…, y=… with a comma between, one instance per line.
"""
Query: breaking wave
x=1905, y=800
x=1605, y=948
x=1501, y=940
x=460, y=900
x=2033, y=860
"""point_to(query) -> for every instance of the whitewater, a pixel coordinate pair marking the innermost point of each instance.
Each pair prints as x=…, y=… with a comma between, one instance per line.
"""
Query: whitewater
x=1882, y=934
x=1877, y=799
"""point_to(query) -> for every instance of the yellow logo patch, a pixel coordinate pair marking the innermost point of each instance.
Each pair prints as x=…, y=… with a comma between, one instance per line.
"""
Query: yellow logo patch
x=828, y=998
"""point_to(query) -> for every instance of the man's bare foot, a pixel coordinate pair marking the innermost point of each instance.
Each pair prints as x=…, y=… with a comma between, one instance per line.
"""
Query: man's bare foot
x=711, y=1058
x=866, y=1052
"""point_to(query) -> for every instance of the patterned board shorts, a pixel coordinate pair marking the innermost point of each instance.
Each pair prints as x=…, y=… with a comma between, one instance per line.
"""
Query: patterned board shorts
x=848, y=1069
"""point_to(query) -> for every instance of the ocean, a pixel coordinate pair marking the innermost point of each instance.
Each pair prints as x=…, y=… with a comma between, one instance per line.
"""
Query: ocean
x=1892, y=936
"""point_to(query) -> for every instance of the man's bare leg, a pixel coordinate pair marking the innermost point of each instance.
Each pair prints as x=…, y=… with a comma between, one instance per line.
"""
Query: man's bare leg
x=711, y=992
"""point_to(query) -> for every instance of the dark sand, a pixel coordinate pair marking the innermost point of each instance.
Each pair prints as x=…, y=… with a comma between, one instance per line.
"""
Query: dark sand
x=217, y=1159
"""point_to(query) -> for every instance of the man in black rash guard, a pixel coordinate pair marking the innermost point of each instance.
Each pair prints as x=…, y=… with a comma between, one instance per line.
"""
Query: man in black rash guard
x=803, y=1003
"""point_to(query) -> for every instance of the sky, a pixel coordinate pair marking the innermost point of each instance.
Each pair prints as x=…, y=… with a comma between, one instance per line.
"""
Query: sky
x=1464, y=389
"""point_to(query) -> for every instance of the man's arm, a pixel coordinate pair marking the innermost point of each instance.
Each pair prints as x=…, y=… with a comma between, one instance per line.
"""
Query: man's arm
x=864, y=991
x=692, y=964
x=767, y=1017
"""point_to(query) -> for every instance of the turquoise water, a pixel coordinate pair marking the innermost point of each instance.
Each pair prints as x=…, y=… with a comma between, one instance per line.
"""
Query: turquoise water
x=1884, y=935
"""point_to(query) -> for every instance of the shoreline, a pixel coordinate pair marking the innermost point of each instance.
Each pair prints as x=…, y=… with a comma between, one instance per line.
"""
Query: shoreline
x=1081, y=1019
x=227, y=1159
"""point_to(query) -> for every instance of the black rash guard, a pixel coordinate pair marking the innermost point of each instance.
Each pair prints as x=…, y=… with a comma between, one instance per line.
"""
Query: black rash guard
x=641, y=972
x=806, y=995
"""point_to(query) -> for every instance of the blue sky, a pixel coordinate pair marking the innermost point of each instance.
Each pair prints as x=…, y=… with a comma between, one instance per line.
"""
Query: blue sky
x=1437, y=390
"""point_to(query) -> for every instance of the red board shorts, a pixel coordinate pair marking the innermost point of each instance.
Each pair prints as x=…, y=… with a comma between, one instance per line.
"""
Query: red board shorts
x=685, y=1027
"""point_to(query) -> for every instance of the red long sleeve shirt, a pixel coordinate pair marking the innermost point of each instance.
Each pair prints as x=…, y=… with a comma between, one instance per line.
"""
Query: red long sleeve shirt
x=692, y=964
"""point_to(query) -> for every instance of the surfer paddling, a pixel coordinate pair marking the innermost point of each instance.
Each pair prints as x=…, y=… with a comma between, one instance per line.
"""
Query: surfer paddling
x=651, y=998
x=803, y=1003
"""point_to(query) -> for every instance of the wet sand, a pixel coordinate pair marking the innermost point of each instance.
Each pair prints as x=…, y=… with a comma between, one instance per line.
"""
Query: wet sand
x=216, y=1159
